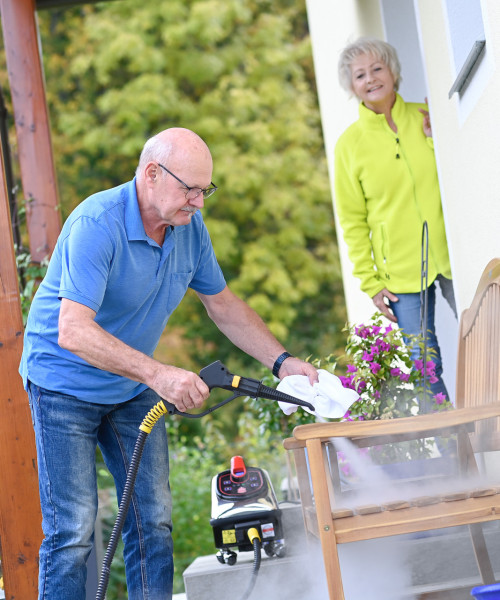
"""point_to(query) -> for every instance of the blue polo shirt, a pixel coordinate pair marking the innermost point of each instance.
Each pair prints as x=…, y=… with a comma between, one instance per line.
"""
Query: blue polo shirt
x=104, y=260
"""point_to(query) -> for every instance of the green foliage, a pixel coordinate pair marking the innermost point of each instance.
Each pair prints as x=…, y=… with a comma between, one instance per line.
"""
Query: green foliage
x=240, y=73
x=29, y=274
x=271, y=422
x=192, y=468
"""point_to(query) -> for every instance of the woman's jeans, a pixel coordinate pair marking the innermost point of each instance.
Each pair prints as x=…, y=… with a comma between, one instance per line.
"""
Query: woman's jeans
x=407, y=312
x=67, y=432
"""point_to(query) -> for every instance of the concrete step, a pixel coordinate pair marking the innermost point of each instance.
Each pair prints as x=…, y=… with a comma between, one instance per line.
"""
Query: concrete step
x=287, y=577
x=397, y=568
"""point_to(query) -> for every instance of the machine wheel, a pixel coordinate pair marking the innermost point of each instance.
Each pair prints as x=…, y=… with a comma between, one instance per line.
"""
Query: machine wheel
x=231, y=558
x=275, y=549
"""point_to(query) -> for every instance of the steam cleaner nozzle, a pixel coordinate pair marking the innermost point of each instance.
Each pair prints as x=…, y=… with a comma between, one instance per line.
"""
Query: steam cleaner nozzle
x=217, y=375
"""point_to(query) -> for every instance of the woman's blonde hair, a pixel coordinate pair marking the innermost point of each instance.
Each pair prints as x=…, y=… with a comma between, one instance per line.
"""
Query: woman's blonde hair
x=381, y=50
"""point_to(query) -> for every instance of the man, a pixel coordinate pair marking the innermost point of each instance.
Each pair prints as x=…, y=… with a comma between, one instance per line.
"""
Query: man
x=122, y=263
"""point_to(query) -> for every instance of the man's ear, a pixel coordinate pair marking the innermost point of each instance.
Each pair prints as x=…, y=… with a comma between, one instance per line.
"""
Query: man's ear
x=151, y=172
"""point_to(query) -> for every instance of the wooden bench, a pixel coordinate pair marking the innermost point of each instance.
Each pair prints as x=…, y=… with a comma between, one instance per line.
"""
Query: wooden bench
x=327, y=502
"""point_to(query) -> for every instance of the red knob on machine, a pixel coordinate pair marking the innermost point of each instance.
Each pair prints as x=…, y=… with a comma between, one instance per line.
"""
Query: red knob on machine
x=238, y=468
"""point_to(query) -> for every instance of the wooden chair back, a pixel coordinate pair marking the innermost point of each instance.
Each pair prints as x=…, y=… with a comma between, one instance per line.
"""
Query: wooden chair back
x=478, y=360
x=475, y=419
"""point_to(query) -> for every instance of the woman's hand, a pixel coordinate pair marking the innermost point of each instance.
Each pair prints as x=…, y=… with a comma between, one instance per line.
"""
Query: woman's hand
x=426, y=123
x=381, y=304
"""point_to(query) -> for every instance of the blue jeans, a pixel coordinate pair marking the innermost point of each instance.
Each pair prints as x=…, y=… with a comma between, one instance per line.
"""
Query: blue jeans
x=407, y=312
x=67, y=432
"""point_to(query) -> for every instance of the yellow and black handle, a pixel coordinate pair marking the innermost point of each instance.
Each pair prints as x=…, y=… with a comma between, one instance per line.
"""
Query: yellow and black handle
x=216, y=375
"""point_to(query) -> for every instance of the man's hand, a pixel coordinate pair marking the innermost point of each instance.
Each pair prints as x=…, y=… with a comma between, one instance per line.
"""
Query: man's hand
x=381, y=304
x=295, y=366
x=182, y=388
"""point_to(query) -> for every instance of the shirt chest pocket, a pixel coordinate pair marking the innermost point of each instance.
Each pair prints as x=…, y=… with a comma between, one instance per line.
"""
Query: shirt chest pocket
x=175, y=287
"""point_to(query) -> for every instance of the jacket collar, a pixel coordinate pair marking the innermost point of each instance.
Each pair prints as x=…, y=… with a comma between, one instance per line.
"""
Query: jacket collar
x=370, y=118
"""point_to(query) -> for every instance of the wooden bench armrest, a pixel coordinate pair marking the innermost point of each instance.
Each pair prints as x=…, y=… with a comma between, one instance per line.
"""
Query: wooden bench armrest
x=292, y=444
x=417, y=426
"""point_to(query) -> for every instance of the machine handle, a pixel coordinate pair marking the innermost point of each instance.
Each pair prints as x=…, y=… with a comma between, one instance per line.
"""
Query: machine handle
x=217, y=375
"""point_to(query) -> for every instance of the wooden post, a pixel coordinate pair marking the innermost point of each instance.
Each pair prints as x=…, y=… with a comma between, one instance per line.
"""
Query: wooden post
x=20, y=517
x=20, y=36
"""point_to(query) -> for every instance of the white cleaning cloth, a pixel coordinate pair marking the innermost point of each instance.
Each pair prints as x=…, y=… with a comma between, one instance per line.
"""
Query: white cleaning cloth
x=328, y=396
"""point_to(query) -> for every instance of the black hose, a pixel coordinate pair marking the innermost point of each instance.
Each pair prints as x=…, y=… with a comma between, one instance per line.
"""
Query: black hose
x=122, y=513
x=256, y=567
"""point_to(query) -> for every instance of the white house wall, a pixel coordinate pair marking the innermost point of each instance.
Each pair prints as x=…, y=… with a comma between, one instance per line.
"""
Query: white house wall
x=466, y=133
x=333, y=24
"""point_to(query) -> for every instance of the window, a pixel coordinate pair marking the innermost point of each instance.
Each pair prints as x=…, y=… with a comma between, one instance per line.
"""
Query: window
x=467, y=37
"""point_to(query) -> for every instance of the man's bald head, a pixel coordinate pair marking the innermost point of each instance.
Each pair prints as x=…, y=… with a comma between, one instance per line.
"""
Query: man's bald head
x=177, y=146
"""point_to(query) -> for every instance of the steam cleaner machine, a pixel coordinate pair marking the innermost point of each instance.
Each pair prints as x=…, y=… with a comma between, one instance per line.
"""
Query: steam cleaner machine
x=245, y=512
x=244, y=505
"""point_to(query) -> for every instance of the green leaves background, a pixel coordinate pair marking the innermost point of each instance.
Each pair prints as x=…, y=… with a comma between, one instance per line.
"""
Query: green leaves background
x=240, y=73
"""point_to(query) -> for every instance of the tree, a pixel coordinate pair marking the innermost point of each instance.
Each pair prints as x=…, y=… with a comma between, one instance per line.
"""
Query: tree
x=240, y=73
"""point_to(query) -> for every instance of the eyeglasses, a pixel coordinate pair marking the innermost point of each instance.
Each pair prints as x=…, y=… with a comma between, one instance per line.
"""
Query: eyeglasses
x=193, y=192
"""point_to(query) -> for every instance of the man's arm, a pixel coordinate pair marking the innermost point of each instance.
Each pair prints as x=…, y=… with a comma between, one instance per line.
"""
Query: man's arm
x=243, y=326
x=80, y=334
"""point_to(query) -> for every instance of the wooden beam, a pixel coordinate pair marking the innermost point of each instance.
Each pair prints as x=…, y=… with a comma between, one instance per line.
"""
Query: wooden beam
x=20, y=517
x=24, y=66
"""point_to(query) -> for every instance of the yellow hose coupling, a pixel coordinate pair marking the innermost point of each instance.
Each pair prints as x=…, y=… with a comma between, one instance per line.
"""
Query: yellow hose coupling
x=252, y=534
x=149, y=421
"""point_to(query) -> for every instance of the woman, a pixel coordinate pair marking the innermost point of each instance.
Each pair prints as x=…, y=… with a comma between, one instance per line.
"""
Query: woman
x=386, y=187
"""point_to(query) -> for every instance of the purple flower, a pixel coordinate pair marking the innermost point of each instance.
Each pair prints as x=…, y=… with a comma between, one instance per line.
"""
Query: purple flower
x=395, y=372
x=404, y=377
x=367, y=357
x=359, y=329
x=347, y=416
x=430, y=368
x=361, y=385
x=433, y=379
x=346, y=381
x=346, y=469
x=388, y=329
x=375, y=367
x=419, y=364
x=440, y=398
x=376, y=329
x=376, y=394
x=351, y=368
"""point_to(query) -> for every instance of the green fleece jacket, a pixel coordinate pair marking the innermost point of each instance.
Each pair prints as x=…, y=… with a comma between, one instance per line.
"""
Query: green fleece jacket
x=386, y=186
